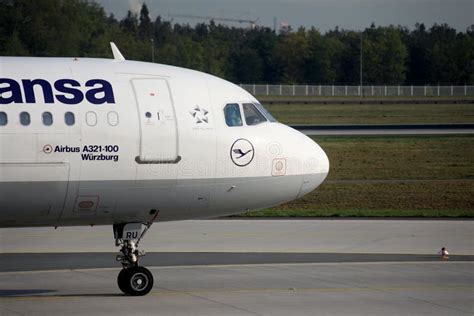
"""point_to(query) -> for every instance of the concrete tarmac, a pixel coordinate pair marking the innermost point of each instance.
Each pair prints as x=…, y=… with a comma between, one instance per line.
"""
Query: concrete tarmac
x=275, y=235
x=444, y=288
x=16, y=262
x=370, y=267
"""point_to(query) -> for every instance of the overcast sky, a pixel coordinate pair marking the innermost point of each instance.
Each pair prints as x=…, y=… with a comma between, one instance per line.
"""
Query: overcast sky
x=323, y=14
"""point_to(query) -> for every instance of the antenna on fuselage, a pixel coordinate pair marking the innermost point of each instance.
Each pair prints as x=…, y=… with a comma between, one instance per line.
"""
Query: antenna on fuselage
x=117, y=54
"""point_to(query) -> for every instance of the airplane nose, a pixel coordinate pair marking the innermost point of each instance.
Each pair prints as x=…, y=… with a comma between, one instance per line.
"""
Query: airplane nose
x=315, y=167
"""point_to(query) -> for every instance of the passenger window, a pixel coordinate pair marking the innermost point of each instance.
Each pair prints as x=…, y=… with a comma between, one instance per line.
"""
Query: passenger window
x=252, y=115
x=3, y=119
x=91, y=118
x=47, y=118
x=232, y=115
x=113, y=118
x=69, y=118
x=25, y=118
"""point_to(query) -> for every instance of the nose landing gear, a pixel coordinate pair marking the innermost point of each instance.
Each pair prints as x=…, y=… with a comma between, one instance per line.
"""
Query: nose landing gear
x=133, y=280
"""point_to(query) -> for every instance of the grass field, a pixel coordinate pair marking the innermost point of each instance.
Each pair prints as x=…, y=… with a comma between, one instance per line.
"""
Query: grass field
x=423, y=176
x=372, y=114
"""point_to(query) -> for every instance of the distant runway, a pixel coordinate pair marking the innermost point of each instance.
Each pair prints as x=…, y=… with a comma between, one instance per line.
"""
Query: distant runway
x=405, y=129
x=247, y=267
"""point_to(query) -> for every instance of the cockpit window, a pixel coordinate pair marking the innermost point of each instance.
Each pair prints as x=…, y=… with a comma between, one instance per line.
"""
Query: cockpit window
x=232, y=115
x=252, y=115
x=265, y=112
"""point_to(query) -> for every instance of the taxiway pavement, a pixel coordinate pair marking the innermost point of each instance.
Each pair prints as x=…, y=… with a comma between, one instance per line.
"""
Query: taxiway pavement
x=247, y=267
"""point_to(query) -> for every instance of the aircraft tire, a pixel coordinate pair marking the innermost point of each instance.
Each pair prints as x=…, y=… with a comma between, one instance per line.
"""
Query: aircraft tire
x=121, y=281
x=135, y=281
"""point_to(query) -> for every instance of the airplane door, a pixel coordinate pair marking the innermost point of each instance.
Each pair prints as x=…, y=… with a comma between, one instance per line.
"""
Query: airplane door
x=158, y=127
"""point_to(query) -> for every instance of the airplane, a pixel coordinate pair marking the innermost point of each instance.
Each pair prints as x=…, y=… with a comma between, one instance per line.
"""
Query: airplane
x=89, y=141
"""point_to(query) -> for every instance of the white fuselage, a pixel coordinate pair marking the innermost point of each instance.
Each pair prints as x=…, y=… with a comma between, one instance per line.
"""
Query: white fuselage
x=156, y=140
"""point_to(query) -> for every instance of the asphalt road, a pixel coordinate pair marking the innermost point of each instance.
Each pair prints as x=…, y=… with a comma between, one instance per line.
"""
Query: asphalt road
x=70, y=261
x=247, y=267
x=436, y=288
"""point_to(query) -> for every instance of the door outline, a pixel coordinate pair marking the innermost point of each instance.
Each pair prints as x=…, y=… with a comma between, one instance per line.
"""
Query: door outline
x=138, y=158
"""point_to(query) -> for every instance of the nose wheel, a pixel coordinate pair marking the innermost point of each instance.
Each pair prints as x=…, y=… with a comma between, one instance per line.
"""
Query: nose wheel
x=133, y=279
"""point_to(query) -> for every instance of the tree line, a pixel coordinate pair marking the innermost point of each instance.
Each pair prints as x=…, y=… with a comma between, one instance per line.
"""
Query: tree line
x=391, y=54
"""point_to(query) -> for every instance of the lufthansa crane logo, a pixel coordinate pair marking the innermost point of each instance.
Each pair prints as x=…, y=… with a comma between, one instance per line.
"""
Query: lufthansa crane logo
x=242, y=152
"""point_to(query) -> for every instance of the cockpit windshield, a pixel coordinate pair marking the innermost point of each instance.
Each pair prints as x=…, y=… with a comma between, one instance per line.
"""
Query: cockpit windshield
x=253, y=113
x=265, y=112
x=232, y=115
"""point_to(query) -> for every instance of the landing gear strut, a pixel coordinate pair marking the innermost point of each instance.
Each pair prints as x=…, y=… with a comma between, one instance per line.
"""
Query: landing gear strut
x=133, y=279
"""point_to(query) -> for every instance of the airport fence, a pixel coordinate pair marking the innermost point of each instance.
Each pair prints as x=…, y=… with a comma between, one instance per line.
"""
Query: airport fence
x=357, y=91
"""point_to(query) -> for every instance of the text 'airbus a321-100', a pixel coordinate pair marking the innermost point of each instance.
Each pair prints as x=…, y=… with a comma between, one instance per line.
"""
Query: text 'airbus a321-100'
x=115, y=142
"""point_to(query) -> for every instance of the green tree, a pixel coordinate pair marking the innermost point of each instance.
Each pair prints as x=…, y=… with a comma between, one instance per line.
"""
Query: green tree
x=182, y=52
x=384, y=56
x=292, y=51
x=418, y=63
x=215, y=56
x=463, y=55
x=323, y=63
x=13, y=46
x=163, y=31
x=349, y=56
x=248, y=65
x=130, y=23
x=145, y=27
x=443, y=68
x=392, y=55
